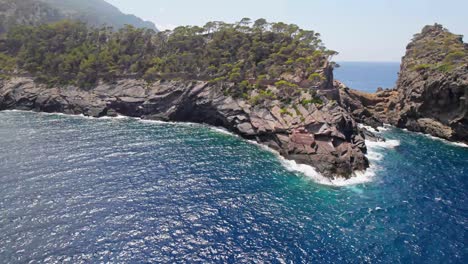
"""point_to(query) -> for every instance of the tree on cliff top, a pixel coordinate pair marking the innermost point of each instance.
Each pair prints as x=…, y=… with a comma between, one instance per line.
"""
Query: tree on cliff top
x=71, y=53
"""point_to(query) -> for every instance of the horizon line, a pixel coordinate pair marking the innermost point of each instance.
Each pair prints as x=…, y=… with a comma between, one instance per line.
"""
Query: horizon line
x=369, y=61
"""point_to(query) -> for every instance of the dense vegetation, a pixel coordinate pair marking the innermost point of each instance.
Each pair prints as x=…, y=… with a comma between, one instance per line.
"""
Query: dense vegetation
x=70, y=52
x=438, y=49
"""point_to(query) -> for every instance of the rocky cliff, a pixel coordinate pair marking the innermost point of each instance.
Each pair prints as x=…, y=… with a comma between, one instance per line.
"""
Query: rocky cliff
x=322, y=135
x=432, y=89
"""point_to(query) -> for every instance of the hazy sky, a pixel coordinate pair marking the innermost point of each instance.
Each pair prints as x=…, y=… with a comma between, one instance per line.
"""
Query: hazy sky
x=361, y=30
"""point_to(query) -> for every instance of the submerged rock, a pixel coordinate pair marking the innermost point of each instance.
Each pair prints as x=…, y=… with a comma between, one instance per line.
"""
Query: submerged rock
x=325, y=137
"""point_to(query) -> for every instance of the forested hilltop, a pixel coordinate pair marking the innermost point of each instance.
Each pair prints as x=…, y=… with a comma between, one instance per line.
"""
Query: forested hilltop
x=250, y=54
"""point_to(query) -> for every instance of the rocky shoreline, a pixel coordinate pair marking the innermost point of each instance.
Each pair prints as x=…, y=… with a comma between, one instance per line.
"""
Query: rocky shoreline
x=323, y=136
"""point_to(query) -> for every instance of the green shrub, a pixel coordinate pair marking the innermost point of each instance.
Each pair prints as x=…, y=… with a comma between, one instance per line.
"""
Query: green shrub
x=455, y=56
x=7, y=63
x=421, y=67
x=314, y=100
x=284, y=111
x=446, y=67
x=217, y=80
x=262, y=97
x=151, y=74
x=316, y=77
x=283, y=83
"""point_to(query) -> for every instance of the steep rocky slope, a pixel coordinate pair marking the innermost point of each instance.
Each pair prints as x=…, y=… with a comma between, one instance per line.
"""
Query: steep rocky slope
x=93, y=12
x=433, y=84
x=324, y=136
x=432, y=89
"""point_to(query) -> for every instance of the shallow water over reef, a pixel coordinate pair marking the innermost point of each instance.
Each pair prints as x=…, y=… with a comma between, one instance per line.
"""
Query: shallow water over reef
x=121, y=190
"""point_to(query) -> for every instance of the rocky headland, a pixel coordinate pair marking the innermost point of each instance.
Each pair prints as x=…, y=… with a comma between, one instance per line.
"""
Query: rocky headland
x=431, y=92
x=268, y=82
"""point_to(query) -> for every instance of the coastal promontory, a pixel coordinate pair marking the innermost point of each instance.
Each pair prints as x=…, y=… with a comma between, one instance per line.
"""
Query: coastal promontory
x=268, y=82
x=431, y=93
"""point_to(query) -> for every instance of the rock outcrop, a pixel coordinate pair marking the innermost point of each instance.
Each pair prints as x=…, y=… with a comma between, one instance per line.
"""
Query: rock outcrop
x=324, y=136
x=431, y=93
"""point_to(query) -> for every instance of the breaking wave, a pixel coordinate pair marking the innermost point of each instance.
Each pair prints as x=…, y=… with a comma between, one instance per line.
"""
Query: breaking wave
x=453, y=143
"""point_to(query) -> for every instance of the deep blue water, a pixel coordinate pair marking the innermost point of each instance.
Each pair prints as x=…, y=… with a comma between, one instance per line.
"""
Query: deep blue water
x=368, y=76
x=77, y=190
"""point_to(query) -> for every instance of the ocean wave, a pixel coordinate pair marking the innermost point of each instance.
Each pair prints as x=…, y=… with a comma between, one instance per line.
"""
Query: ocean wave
x=392, y=143
x=358, y=177
x=453, y=143
x=379, y=129
x=149, y=121
x=222, y=130
x=368, y=128
x=374, y=156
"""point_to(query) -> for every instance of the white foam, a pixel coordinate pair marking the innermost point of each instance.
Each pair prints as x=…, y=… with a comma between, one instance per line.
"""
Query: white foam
x=149, y=121
x=453, y=143
x=379, y=129
x=459, y=144
x=222, y=130
x=359, y=177
x=368, y=128
x=383, y=144
x=374, y=156
x=385, y=127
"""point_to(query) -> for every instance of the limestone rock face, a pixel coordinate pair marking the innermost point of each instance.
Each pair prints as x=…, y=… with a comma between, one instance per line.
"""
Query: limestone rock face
x=324, y=136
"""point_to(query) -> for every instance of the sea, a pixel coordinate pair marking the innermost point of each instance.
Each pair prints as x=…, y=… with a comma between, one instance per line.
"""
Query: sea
x=120, y=190
x=368, y=76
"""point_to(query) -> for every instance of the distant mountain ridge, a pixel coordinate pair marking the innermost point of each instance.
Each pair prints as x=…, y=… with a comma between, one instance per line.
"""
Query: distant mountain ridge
x=93, y=12
x=97, y=13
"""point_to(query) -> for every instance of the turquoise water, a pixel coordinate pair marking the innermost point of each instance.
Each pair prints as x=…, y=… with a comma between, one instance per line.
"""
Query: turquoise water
x=74, y=189
x=368, y=76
